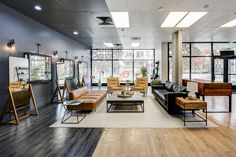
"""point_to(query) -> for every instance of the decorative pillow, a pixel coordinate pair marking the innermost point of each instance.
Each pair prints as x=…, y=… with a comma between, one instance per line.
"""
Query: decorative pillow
x=168, y=86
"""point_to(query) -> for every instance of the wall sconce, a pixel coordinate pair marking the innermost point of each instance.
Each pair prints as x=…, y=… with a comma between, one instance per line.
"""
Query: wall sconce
x=66, y=52
x=55, y=54
x=11, y=43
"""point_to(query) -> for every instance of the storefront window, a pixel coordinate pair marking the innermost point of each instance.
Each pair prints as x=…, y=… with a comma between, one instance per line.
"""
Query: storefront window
x=124, y=64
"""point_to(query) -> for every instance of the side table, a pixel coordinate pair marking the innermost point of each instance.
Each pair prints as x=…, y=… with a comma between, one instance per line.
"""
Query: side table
x=71, y=106
x=189, y=104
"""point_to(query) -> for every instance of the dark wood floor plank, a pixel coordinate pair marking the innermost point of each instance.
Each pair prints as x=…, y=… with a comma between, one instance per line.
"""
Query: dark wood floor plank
x=34, y=137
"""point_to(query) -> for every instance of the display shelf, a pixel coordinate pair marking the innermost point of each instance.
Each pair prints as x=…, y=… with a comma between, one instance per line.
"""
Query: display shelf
x=39, y=67
x=69, y=65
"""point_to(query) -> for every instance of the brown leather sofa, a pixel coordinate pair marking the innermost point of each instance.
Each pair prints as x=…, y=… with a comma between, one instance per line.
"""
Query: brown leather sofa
x=91, y=99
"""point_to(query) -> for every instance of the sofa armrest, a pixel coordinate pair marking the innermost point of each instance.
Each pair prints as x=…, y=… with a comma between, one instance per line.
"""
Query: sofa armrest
x=176, y=94
x=158, y=86
x=170, y=99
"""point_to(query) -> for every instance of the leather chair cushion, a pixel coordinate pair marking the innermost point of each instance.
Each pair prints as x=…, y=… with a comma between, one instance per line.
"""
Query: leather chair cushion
x=138, y=87
x=116, y=88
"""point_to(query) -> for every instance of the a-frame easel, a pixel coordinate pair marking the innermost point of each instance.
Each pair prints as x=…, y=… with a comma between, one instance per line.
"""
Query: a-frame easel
x=57, y=91
x=19, y=98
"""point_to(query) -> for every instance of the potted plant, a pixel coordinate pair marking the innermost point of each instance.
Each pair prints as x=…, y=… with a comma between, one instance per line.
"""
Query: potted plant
x=156, y=82
x=144, y=71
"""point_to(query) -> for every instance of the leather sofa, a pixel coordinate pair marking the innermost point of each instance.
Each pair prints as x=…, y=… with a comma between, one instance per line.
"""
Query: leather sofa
x=91, y=99
x=166, y=93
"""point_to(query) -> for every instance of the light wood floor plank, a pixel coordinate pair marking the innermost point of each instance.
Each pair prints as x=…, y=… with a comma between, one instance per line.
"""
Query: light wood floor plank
x=177, y=142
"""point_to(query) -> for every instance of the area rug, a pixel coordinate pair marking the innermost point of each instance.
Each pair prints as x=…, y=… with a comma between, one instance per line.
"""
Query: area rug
x=154, y=116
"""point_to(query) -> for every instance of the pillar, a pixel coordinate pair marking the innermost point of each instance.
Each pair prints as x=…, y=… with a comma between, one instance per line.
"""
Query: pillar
x=177, y=63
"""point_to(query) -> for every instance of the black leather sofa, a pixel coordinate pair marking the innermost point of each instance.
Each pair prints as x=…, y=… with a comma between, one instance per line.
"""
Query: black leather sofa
x=166, y=93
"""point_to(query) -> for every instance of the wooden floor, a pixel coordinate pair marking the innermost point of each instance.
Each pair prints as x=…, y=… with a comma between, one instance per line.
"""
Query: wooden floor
x=181, y=142
x=34, y=137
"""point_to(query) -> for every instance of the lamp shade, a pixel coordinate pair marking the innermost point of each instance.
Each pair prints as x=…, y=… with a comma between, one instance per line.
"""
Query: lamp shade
x=192, y=86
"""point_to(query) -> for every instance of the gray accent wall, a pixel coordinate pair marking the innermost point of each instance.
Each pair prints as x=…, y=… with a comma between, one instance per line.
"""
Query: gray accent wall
x=27, y=32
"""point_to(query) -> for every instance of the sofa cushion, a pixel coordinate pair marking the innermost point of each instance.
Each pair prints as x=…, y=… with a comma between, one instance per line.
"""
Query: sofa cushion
x=169, y=86
x=161, y=93
x=77, y=93
x=179, y=89
x=89, y=97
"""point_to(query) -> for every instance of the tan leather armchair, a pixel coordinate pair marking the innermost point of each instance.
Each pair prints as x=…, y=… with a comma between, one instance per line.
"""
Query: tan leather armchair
x=141, y=85
x=113, y=84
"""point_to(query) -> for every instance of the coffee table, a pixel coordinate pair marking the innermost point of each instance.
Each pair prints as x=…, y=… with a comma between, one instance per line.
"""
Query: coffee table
x=136, y=99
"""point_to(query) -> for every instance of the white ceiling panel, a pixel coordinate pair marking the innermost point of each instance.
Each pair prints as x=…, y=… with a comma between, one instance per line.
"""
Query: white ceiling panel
x=145, y=20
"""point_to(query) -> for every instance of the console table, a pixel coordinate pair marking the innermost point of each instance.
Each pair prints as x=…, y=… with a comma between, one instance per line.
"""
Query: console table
x=207, y=88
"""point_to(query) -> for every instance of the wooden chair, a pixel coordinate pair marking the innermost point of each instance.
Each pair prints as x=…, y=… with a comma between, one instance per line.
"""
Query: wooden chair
x=141, y=85
x=113, y=84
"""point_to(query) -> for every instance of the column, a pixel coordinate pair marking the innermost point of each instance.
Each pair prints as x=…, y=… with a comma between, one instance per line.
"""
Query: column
x=177, y=62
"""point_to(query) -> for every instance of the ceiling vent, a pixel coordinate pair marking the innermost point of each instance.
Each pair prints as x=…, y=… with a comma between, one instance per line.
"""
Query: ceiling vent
x=105, y=21
x=118, y=46
x=135, y=38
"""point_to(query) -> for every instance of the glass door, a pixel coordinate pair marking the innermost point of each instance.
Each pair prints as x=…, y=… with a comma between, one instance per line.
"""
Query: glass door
x=232, y=71
x=218, y=70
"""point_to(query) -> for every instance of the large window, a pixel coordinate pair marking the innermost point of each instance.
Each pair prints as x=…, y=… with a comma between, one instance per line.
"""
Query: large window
x=200, y=61
x=219, y=63
x=143, y=58
x=124, y=64
x=102, y=63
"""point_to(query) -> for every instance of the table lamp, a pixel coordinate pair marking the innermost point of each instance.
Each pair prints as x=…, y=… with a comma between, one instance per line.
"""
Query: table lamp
x=192, y=87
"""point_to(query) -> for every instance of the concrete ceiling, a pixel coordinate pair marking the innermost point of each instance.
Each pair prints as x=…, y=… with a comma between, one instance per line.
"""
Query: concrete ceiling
x=65, y=16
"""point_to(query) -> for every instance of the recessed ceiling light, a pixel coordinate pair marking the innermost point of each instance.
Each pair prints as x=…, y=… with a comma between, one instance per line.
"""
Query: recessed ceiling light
x=134, y=44
x=173, y=18
x=230, y=24
x=191, y=18
x=121, y=19
x=108, y=44
x=206, y=6
x=38, y=7
x=75, y=33
x=161, y=9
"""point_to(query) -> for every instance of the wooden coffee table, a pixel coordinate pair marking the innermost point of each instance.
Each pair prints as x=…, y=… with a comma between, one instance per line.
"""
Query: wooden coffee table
x=136, y=99
x=188, y=104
